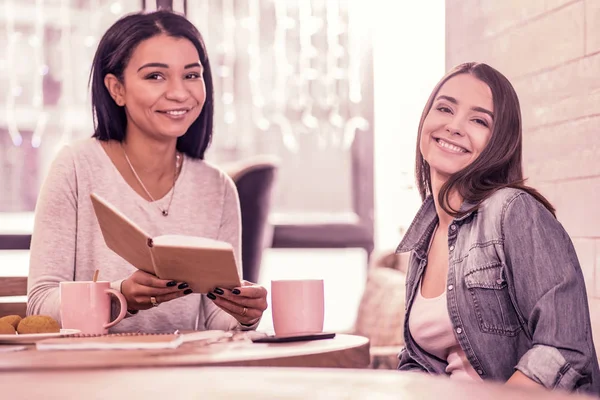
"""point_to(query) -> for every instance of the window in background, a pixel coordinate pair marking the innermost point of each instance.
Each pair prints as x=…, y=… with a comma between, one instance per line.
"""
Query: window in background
x=409, y=60
x=294, y=79
x=46, y=53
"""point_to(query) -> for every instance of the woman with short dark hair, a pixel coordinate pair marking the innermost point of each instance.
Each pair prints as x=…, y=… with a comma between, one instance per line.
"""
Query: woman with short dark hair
x=152, y=97
x=494, y=287
x=114, y=53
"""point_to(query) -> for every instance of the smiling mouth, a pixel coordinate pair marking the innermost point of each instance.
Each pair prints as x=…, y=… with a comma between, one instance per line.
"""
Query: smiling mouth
x=175, y=113
x=451, y=147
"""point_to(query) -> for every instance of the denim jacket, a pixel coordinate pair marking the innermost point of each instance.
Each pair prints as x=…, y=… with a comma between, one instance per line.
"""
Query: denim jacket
x=515, y=292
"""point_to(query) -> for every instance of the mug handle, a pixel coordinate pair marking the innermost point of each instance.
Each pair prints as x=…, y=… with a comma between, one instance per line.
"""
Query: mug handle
x=123, y=311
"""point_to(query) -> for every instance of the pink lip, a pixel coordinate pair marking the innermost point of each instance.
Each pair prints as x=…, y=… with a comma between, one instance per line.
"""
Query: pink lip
x=174, y=109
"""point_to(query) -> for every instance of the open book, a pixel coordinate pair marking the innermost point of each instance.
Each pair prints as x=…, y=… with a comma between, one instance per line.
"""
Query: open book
x=202, y=263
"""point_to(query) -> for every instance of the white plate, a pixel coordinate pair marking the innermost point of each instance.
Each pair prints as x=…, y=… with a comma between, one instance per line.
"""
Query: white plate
x=34, y=337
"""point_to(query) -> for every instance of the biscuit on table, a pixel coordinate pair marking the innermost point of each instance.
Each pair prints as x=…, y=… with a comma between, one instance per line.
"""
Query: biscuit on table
x=38, y=324
x=12, y=319
x=6, y=328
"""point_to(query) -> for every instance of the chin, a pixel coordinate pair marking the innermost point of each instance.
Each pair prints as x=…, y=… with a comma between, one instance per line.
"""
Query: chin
x=446, y=169
x=172, y=130
x=174, y=134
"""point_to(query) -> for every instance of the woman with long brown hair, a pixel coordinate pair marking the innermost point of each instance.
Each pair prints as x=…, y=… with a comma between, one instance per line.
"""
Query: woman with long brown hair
x=494, y=287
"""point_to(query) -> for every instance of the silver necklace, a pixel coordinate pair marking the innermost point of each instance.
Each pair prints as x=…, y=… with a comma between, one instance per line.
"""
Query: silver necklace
x=164, y=211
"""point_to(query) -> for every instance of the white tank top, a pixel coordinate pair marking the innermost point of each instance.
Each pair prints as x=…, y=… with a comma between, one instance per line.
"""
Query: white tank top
x=431, y=328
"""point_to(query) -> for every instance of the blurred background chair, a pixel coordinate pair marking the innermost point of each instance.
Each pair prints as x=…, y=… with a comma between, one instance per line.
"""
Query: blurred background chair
x=255, y=179
x=13, y=287
x=381, y=310
x=15, y=242
x=15, y=228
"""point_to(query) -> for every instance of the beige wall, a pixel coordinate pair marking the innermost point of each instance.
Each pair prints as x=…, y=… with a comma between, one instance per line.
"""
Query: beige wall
x=550, y=50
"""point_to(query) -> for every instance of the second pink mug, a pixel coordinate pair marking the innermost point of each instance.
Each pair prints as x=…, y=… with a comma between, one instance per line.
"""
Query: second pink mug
x=298, y=306
x=86, y=305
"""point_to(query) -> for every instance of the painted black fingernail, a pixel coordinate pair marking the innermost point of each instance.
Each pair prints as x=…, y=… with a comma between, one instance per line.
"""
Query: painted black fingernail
x=172, y=283
x=235, y=291
x=219, y=291
x=187, y=291
x=211, y=296
x=182, y=286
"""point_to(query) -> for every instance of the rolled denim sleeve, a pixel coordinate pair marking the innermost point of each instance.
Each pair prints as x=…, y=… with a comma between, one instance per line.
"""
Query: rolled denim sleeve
x=407, y=363
x=550, y=293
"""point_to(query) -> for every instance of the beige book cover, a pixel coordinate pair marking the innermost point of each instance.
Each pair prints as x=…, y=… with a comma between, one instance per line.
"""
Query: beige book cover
x=201, y=262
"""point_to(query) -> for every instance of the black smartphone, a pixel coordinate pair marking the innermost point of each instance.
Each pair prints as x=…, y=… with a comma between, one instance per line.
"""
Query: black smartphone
x=298, y=338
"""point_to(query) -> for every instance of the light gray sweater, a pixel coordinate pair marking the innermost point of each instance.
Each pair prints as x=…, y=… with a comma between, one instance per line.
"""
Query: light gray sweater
x=67, y=243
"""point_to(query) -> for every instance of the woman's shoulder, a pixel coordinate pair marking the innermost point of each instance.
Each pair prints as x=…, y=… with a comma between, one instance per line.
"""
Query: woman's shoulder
x=514, y=203
x=502, y=197
x=206, y=172
x=69, y=155
x=78, y=149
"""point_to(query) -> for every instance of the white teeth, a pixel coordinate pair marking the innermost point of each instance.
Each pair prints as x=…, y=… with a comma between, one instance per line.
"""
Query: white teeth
x=451, y=146
x=176, y=112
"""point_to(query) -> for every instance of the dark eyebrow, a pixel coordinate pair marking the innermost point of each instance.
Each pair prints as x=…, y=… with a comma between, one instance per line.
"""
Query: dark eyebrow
x=161, y=65
x=478, y=109
x=483, y=110
x=450, y=99
x=192, y=65
x=158, y=65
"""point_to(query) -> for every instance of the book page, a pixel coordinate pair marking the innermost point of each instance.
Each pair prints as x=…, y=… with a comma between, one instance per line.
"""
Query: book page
x=203, y=268
x=122, y=236
x=190, y=241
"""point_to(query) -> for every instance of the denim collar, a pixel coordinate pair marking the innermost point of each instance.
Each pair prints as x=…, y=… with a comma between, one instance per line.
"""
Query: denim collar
x=420, y=230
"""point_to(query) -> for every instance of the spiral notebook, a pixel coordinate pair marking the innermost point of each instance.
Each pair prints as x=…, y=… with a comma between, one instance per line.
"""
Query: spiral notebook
x=116, y=341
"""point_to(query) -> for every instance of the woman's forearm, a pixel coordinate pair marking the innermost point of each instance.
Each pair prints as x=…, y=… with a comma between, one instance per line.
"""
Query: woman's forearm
x=520, y=379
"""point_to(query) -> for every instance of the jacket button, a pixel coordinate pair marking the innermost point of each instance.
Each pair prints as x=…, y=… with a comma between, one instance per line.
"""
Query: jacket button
x=480, y=372
x=459, y=330
x=452, y=248
x=453, y=227
x=450, y=287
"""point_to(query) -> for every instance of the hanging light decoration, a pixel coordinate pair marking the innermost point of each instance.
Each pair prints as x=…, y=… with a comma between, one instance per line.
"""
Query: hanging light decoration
x=15, y=90
x=301, y=81
x=40, y=70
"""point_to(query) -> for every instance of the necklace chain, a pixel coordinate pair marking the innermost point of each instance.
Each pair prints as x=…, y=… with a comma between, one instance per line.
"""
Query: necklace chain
x=164, y=211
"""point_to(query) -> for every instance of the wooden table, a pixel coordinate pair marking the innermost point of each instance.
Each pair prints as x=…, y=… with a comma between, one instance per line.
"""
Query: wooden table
x=254, y=383
x=343, y=351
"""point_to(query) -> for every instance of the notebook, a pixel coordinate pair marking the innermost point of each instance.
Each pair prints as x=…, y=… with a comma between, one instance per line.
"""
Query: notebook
x=202, y=263
x=117, y=341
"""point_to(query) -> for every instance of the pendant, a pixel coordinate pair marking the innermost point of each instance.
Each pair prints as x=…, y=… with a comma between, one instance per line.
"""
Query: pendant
x=165, y=212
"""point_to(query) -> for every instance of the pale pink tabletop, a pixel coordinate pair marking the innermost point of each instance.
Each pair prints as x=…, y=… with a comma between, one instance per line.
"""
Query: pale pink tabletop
x=254, y=383
x=343, y=351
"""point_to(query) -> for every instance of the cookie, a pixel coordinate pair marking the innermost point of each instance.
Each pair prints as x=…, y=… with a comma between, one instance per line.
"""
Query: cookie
x=38, y=324
x=6, y=328
x=12, y=319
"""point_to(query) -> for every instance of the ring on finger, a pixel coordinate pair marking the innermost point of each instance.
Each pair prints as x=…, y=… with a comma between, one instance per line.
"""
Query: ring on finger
x=153, y=301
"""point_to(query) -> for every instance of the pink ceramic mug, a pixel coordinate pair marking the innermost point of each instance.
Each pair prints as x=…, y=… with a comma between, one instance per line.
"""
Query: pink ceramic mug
x=298, y=306
x=86, y=305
